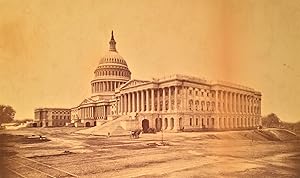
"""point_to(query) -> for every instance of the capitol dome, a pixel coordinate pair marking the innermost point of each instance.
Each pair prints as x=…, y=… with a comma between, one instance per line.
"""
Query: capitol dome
x=111, y=72
x=112, y=57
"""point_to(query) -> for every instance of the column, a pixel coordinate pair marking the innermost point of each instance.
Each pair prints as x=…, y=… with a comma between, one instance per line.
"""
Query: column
x=157, y=99
x=138, y=101
x=125, y=104
x=129, y=103
x=233, y=102
x=242, y=103
x=239, y=103
x=228, y=103
x=133, y=102
x=147, y=101
x=119, y=104
x=216, y=101
x=175, y=98
x=169, y=109
x=252, y=105
x=142, y=101
x=152, y=99
x=164, y=100
x=221, y=101
x=217, y=124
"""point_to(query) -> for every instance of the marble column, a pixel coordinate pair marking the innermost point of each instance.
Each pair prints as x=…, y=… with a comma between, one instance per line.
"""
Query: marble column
x=147, y=101
x=142, y=101
x=169, y=107
x=125, y=103
x=138, y=101
x=175, y=98
x=152, y=100
x=164, y=100
x=216, y=101
x=133, y=102
x=129, y=102
x=158, y=100
x=221, y=101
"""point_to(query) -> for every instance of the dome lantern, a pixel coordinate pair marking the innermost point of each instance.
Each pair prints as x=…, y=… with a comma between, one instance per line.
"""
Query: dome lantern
x=112, y=43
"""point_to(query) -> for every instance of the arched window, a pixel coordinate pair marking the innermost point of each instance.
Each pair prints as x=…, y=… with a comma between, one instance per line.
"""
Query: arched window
x=202, y=105
x=191, y=121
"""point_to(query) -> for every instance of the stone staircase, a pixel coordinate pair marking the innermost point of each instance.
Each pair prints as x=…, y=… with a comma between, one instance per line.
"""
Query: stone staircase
x=109, y=128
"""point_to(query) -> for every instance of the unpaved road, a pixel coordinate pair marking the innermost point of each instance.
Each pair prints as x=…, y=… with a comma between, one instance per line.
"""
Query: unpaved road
x=211, y=154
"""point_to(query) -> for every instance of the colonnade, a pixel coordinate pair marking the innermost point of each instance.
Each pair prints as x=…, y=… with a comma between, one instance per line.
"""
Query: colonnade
x=148, y=100
x=230, y=102
x=92, y=112
x=105, y=86
x=176, y=98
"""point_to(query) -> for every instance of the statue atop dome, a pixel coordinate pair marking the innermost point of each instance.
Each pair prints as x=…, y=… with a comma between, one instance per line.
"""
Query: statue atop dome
x=112, y=43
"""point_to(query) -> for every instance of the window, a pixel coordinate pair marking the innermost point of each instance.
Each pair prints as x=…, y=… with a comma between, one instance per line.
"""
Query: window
x=196, y=93
x=167, y=105
x=197, y=105
x=191, y=121
x=202, y=105
x=190, y=91
x=191, y=104
x=197, y=121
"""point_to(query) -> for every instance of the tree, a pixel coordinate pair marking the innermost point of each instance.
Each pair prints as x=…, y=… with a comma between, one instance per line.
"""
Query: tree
x=7, y=114
x=271, y=120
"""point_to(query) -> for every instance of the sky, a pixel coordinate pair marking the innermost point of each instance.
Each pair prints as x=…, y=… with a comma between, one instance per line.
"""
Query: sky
x=49, y=49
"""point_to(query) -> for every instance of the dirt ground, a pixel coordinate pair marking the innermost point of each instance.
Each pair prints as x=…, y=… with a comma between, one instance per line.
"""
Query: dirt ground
x=208, y=154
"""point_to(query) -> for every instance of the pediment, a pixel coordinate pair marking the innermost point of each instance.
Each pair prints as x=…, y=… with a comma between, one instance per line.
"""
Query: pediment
x=87, y=101
x=132, y=83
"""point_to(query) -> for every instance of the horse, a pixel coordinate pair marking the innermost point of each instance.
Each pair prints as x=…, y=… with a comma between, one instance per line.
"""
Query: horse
x=136, y=133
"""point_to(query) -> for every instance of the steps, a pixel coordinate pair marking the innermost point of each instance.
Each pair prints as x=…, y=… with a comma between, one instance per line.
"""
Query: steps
x=110, y=128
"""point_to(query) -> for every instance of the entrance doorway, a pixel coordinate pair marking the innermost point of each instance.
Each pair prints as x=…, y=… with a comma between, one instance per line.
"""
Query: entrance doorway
x=87, y=124
x=145, y=125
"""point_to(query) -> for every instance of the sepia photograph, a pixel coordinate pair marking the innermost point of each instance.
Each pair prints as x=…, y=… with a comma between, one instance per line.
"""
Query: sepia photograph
x=149, y=88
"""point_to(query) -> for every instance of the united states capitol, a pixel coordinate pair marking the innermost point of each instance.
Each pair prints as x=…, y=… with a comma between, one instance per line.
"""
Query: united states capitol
x=170, y=104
